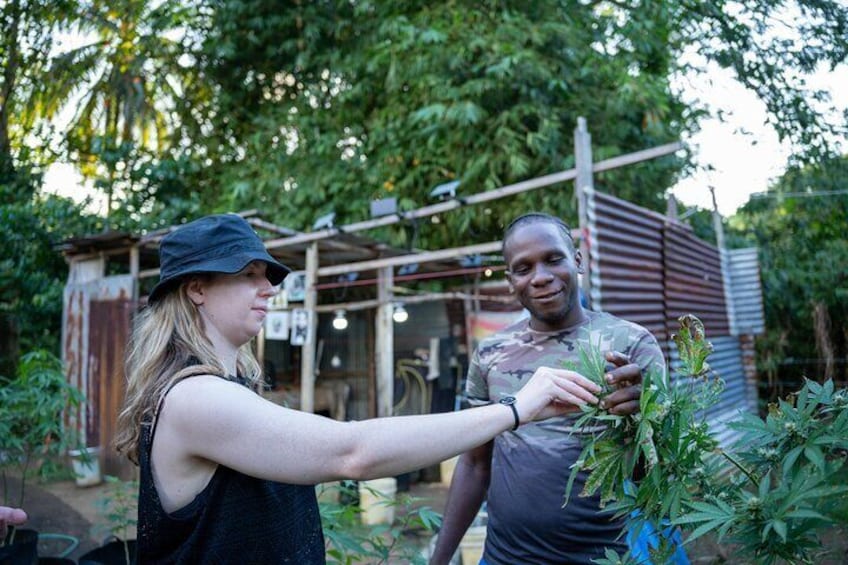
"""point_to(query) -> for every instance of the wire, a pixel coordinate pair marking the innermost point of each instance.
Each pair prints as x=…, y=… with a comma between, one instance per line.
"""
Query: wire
x=797, y=194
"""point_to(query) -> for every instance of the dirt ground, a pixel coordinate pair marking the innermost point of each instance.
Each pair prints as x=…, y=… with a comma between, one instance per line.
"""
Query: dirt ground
x=62, y=507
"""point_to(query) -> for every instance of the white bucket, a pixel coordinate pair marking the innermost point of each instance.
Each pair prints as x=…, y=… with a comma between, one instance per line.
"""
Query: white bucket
x=87, y=473
x=376, y=500
x=446, y=469
x=328, y=493
x=471, y=545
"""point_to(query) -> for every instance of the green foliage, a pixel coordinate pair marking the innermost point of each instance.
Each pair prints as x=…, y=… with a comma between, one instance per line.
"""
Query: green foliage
x=132, y=85
x=667, y=438
x=32, y=272
x=770, y=494
x=348, y=541
x=371, y=100
x=120, y=508
x=799, y=226
x=793, y=459
x=33, y=436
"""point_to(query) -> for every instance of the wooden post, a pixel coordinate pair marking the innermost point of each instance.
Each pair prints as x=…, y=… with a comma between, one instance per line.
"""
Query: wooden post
x=384, y=333
x=725, y=267
x=307, y=358
x=583, y=183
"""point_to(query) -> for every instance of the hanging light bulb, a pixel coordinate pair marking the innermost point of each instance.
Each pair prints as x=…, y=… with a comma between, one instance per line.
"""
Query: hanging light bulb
x=340, y=322
x=400, y=315
x=335, y=361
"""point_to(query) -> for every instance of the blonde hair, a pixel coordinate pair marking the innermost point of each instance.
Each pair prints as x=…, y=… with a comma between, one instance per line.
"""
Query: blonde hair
x=168, y=344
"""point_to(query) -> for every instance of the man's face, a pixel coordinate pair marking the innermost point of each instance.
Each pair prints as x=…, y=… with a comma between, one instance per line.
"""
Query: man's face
x=542, y=268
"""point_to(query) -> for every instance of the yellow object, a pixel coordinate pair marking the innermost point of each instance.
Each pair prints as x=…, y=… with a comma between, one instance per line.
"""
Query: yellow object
x=377, y=501
x=471, y=545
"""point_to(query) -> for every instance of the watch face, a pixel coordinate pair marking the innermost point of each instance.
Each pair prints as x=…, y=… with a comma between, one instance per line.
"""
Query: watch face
x=507, y=400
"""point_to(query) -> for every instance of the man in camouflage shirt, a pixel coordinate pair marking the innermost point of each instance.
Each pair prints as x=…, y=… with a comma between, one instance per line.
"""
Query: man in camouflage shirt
x=523, y=473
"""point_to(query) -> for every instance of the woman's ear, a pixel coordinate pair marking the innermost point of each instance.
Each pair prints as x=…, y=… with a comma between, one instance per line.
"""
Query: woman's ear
x=195, y=291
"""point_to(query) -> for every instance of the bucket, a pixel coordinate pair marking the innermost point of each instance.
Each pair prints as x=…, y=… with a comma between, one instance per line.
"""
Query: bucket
x=328, y=493
x=377, y=501
x=86, y=464
x=446, y=469
x=471, y=545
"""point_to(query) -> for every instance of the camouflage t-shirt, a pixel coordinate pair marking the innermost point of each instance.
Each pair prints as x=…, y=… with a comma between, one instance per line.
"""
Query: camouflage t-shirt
x=530, y=466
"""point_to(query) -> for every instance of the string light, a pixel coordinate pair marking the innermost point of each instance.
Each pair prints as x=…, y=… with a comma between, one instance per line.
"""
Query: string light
x=400, y=315
x=340, y=322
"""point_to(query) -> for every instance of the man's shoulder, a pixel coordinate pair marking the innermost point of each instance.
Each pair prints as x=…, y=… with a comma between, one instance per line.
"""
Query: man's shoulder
x=611, y=332
x=512, y=332
x=605, y=320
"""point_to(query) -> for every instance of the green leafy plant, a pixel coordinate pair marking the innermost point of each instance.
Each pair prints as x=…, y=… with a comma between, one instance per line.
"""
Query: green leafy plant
x=34, y=437
x=349, y=541
x=769, y=494
x=794, y=479
x=120, y=507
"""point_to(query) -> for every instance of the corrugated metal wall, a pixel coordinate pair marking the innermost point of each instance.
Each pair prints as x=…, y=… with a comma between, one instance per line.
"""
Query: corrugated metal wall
x=746, y=290
x=693, y=280
x=626, y=262
x=651, y=270
x=94, y=331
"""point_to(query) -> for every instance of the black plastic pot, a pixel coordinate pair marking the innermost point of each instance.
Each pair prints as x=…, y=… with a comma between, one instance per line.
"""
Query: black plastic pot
x=24, y=549
x=55, y=561
x=112, y=553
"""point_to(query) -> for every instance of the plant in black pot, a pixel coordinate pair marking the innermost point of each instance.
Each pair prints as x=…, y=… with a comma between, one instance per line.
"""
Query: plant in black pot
x=33, y=438
x=120, y=508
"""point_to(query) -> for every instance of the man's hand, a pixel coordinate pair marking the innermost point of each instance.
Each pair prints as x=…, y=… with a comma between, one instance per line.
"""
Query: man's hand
x=10, y=517
x=626, y=378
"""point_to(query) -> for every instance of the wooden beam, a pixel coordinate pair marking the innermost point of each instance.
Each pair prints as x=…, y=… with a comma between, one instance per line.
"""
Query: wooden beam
x=583, y=184
x=489, y=195
x=307, y=357
x=422, y=257
x=384, y=338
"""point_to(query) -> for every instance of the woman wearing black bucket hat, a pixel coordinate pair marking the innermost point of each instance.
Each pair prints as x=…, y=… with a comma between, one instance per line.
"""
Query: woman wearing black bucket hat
x=226, y=476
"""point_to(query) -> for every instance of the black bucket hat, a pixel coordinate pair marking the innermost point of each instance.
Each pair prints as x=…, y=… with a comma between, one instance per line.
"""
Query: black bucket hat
x=222, y=243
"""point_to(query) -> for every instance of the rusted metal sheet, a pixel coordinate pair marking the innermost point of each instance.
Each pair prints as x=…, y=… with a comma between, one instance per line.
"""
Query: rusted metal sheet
x=626, y=262
x=95, y=327
x=693, y=281
x=651, y=270
x=110, y=324
x=746, y=291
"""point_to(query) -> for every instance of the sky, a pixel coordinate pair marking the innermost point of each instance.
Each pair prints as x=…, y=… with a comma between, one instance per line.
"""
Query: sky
x=742, y=154
x=738, y=156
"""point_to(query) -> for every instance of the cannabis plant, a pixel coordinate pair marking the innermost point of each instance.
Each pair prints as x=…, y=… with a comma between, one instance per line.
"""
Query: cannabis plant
x=769, y=494
x=348, y=541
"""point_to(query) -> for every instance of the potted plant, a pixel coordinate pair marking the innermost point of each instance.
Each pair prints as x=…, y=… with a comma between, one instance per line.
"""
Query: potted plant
x=33, y=435
x=120, y=508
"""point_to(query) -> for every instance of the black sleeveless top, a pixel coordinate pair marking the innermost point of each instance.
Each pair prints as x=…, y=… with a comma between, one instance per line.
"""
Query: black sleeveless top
x=234, y=519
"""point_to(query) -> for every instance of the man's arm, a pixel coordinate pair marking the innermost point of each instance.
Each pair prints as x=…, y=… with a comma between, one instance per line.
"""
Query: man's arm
x=467, y=491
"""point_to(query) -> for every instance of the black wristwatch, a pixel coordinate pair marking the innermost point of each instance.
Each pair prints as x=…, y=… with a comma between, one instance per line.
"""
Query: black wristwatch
x=510, y=401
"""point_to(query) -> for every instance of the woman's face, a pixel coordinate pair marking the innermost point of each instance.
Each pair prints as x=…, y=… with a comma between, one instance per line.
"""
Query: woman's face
x=234, y=306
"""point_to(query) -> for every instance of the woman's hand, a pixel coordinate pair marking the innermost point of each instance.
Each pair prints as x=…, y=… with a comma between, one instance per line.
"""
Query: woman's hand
x=554, y=392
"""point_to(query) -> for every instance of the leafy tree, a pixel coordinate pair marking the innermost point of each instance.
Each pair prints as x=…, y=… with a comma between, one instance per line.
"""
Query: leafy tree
x=800, y=226
x=27, y=29
x=326, y=102
x=131, y=84
x=33, y=272
x=339, y=102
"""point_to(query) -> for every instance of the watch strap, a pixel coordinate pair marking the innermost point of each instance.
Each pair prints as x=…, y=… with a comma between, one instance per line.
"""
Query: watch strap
x=510, y=401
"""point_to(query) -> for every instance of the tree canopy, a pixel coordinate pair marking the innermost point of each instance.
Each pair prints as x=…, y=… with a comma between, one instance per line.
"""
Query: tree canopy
x=296, y=108
x=800, y=226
